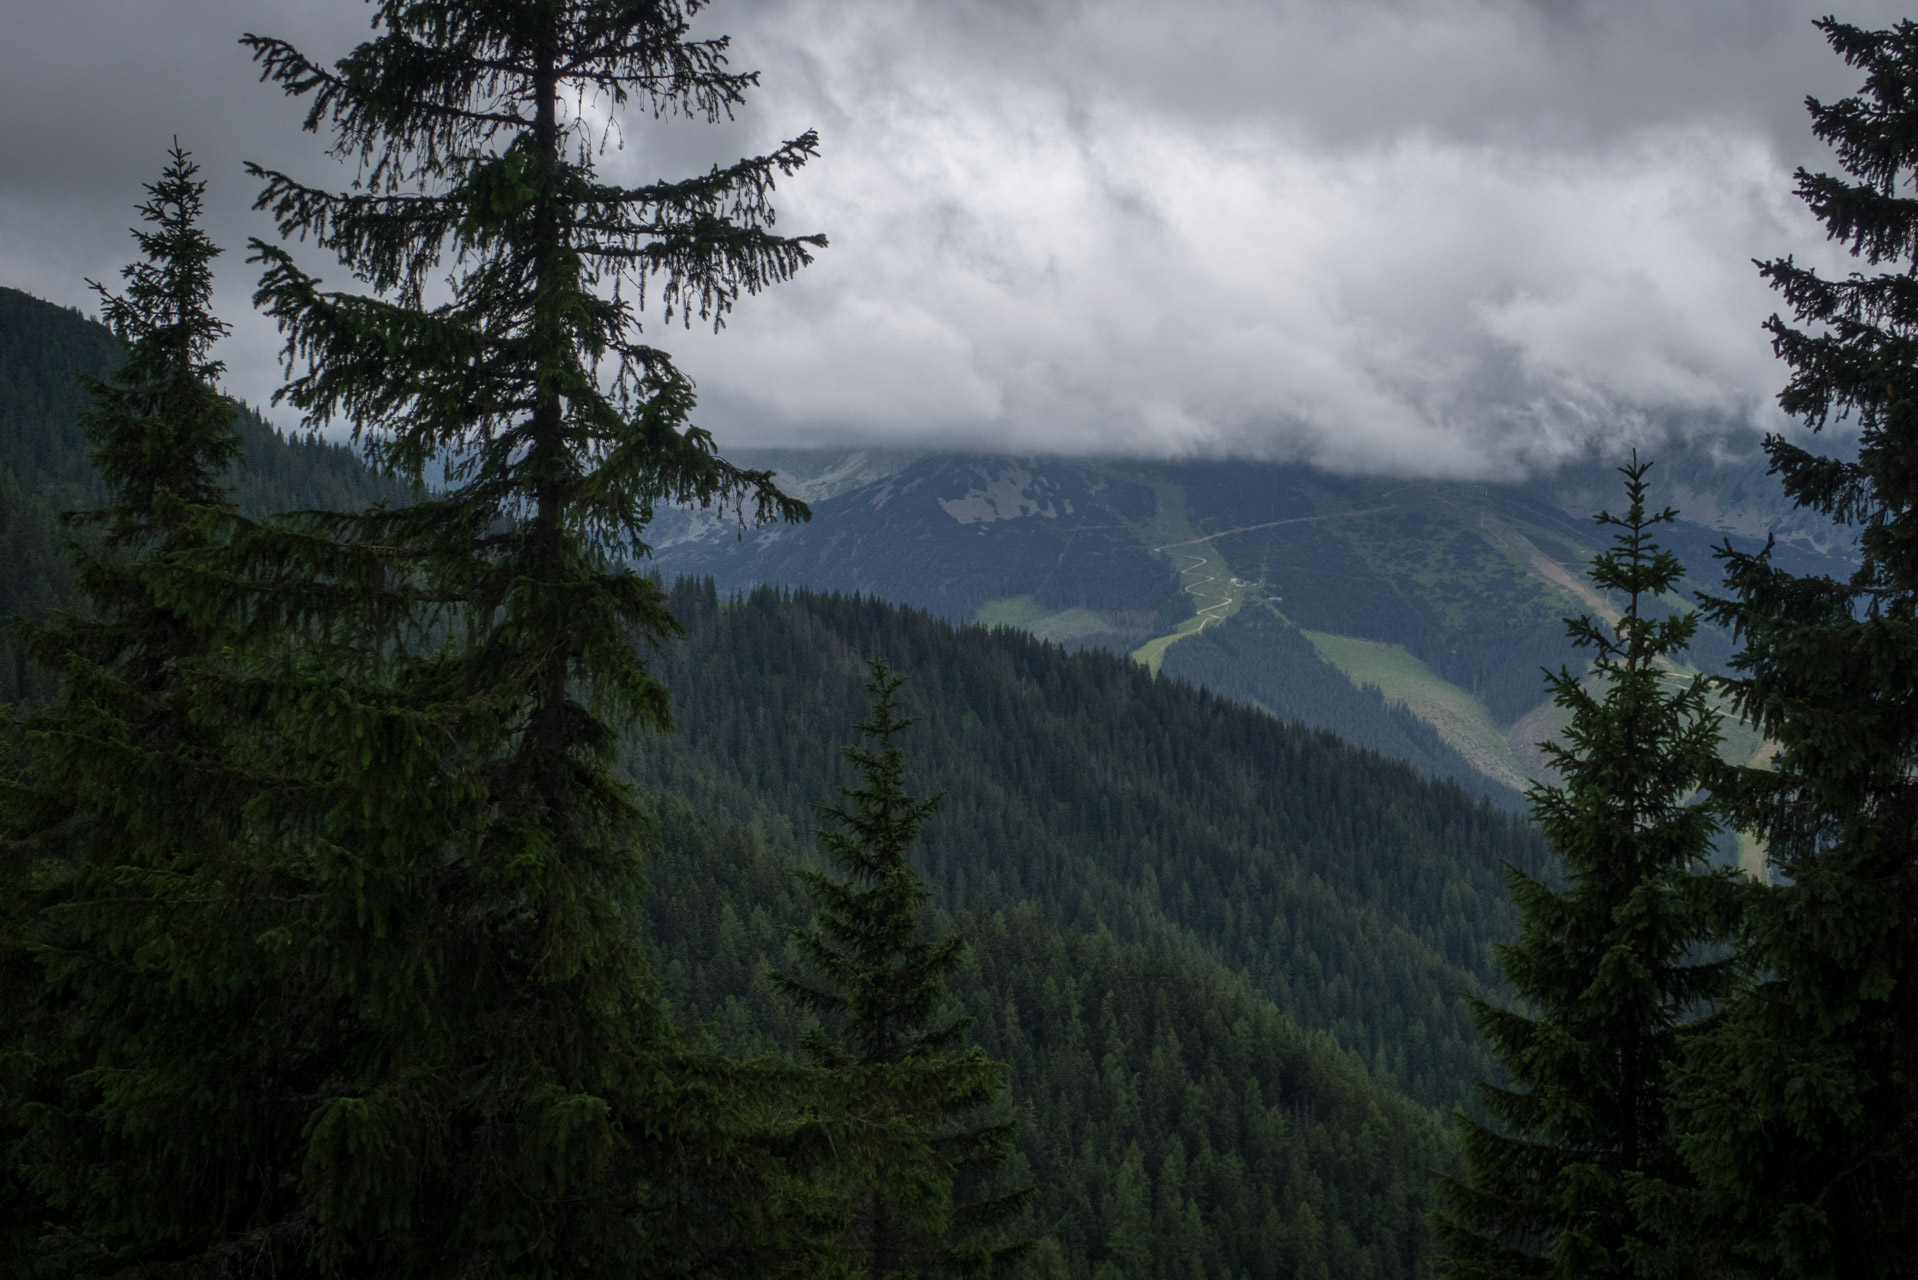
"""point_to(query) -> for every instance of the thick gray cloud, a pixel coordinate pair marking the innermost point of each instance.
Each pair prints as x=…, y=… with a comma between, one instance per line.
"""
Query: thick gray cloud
x=1453, y=237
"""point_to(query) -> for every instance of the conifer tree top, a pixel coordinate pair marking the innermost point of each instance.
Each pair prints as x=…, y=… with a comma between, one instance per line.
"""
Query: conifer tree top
x=881, y=984
x=475, y=129
x=162, y=431
x=1797, y=1110
x=876, y=981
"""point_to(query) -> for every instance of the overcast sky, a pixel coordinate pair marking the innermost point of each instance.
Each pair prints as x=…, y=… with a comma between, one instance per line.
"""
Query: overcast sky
x=1442, y=237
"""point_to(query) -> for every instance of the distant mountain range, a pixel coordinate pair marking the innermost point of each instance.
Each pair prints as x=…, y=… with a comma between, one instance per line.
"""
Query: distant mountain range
x=1413, y=617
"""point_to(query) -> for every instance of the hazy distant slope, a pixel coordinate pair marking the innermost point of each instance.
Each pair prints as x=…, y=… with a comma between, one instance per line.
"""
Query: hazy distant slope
x=952, y=534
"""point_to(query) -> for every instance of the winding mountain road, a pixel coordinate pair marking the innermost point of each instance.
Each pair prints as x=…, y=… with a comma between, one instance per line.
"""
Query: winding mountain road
x=1194, y=588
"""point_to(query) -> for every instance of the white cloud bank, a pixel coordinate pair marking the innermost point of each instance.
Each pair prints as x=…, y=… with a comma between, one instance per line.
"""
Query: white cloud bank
x=1098, y=262
x=1447, y=237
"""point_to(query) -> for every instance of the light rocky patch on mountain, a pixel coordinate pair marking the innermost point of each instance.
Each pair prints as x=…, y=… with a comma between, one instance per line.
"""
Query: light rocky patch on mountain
x=1012, y=493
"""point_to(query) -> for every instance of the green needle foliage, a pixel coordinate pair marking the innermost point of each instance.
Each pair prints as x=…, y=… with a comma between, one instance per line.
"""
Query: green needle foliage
x=1607, y=967
x=282, y=996
x=560, y=430
x=496, y=1091
x=1800, y=1111
x=877, y=984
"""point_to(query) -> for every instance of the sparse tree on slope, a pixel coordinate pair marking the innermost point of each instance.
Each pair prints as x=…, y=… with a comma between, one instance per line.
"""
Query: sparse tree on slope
x=1800, y=1112
x=877, y=982
x=1606, y=969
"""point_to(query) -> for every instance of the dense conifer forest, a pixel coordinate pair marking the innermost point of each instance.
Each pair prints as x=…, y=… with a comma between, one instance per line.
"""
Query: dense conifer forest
x=1261, y=657
x=1173, y=1120
x=1357, y=895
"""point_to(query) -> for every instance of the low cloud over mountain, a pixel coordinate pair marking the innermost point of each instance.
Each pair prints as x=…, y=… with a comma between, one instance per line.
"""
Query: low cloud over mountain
x=1455, y=238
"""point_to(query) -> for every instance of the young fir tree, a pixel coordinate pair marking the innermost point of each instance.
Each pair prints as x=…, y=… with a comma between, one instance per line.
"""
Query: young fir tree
x=877, y=983
x=125, y=805
x=1607, y=968
x=1800, y=1111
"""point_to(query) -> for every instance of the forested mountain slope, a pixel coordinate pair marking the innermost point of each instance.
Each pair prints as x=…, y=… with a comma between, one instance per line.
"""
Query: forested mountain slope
x=1359, y=897
x=46, y=462
x=1259, y=657
x=1173, y=1121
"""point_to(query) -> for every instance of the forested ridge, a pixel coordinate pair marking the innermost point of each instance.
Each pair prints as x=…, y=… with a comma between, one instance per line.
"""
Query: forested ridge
x=1360, y=897
x=1203, y=939
x=44, y=351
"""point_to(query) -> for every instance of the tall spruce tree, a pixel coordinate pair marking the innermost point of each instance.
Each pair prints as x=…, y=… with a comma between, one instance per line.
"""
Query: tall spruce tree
x=1800, y=1112
x=876, y=979
x=505, y=1095
x=1607, y=969
x=125, y=807
x=559, y=429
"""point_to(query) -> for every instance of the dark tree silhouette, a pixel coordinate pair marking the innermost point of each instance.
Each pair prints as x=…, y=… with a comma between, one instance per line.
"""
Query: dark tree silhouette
x=1800, y=1112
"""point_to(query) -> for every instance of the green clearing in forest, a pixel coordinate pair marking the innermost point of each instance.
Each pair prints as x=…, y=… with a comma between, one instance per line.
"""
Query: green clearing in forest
x=1151, y=654
x=1025, y=613
x=1460, y=719
x=1216, y=595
